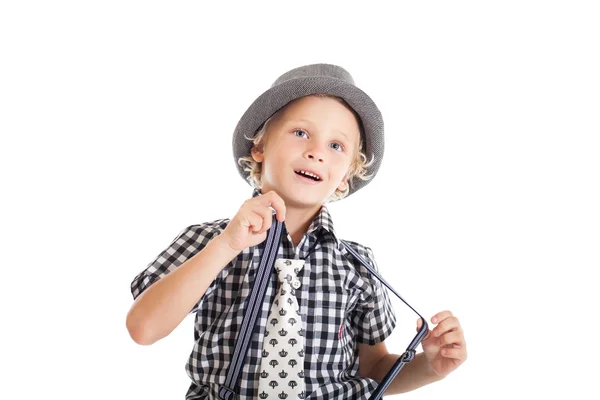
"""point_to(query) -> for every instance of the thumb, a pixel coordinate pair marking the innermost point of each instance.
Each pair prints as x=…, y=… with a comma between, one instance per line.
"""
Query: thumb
x=419, y=324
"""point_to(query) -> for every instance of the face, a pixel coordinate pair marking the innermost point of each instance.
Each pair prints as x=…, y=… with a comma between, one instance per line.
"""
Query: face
x=318, y=135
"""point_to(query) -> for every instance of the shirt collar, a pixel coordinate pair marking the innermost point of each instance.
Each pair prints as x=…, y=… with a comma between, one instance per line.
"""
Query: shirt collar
x=321, y=221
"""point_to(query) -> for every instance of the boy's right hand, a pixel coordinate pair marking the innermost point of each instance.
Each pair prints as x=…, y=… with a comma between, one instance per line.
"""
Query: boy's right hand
x=249, y=226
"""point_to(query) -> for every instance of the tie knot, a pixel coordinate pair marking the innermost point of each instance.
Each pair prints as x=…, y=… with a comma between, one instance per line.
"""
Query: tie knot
x=287, y=270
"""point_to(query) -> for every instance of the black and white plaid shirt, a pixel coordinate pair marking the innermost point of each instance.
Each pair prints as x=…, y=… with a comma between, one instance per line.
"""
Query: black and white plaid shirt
x=341, y=303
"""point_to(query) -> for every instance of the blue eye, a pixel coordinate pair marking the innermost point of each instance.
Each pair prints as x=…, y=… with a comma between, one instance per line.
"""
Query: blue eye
x=298, y=130
x=341, y=148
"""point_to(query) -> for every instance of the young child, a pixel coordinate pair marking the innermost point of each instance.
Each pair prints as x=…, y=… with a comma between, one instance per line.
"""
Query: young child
x=312, y=138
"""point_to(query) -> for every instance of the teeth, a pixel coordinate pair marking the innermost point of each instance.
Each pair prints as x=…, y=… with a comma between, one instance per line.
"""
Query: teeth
x=310, y=174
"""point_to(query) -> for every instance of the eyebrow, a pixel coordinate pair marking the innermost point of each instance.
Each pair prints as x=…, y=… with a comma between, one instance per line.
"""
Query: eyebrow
x=311, y=123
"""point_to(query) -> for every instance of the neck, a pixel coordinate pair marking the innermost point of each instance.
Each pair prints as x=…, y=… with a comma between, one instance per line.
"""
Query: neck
x=297, y=221
x=298, y=216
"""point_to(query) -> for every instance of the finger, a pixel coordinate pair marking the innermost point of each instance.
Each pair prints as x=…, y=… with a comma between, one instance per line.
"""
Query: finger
x=450, y=323
x=253, y=221
x=266, y=215
x=452, y=338
x=459, y=354
x=274, y=200
x=441, y=316
x=271, y=200
x=419, y=323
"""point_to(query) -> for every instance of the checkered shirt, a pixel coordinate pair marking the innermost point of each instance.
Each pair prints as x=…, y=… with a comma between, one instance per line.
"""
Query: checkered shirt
x=341, y=303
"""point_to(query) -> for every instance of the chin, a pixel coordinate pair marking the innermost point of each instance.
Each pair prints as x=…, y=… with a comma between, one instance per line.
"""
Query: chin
x=305, y=199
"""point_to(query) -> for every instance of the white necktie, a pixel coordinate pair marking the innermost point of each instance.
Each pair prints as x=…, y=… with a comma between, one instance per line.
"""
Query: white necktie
x=282, y=368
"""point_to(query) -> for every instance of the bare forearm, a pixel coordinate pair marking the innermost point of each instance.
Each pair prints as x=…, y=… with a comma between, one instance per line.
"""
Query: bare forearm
x=413, y=375
x=163, y=305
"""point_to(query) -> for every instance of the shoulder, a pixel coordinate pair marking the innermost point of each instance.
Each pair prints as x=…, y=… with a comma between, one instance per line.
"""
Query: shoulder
x=360, y=248
x=354, y=244
x=363, y=250
x=215, y=226
x=205, y=230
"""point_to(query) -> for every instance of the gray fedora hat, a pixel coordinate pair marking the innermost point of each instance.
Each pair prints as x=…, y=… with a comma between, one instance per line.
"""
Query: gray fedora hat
x=304, y=81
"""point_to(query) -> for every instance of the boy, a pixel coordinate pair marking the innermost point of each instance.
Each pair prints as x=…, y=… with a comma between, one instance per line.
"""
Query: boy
x=304, y=142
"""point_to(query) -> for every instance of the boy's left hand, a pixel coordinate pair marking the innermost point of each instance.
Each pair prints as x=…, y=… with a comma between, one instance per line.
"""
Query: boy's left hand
x=444, y=346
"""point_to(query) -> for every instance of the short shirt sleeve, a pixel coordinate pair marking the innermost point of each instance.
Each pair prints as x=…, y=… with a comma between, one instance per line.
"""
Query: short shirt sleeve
x=374, y=318
x=189, y=242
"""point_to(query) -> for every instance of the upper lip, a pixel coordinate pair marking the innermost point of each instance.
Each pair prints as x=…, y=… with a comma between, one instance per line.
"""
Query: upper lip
x=311, y=171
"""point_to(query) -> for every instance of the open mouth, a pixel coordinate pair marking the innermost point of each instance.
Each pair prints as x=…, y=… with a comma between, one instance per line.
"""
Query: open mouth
x=308, y=175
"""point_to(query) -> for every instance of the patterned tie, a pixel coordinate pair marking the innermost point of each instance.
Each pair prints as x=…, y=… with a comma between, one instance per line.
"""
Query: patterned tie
x=282, y=367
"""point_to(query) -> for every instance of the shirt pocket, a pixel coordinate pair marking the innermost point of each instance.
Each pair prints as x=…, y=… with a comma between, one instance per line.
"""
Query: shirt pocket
x=325, y=343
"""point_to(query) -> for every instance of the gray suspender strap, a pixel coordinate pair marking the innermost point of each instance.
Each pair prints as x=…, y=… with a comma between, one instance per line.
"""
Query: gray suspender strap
x=409, y=354
x=253, y=307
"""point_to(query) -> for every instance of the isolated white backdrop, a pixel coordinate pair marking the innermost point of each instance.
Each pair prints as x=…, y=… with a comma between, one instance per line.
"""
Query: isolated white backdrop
x=116, y=120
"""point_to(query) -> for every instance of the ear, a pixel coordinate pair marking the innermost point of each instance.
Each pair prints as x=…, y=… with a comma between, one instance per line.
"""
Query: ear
x=257, y=154
x=343, y=184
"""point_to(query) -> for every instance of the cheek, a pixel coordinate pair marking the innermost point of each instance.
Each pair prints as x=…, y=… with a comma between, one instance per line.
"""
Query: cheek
x=340, y=169
x=274, y=164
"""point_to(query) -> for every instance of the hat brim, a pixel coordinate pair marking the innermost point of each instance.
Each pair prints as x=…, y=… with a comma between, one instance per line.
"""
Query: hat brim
x=278, y=96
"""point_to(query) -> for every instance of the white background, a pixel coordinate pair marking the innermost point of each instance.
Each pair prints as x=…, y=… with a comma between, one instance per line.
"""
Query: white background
x=116, y=120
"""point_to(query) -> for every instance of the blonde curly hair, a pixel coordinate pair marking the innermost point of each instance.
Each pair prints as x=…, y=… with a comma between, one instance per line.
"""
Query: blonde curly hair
x=357, y=170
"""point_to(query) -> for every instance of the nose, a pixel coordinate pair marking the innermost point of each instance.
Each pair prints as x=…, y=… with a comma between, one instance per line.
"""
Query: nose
x=316, y=152
x=312, y=157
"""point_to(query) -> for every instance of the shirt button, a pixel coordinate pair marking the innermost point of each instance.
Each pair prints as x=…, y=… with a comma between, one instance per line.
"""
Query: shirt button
x=296, y=284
